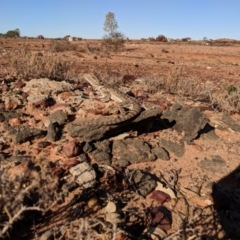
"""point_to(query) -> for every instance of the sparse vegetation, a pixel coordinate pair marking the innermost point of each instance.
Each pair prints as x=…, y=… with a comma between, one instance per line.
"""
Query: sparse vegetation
x=61, y=46
x=31, y=65
x=12, y=33
x=113, y=41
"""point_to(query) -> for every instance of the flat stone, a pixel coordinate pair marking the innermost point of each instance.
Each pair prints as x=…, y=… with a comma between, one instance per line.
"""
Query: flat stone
x=161, y=153
x=21, y=134
x=130, y=151
x=233, y=124
x=214, y=165
x=177, y=148
x=190, y=121
x=53, y=131
x=58, y=116
x=143, y=182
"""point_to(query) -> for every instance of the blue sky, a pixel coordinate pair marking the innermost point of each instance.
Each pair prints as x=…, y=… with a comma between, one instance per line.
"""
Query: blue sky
x=136, y=18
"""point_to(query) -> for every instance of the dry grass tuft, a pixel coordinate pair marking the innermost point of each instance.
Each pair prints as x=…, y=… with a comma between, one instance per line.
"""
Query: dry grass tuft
x=224, y=96
x=30, y=65
x=112, y=45
x=61, y=46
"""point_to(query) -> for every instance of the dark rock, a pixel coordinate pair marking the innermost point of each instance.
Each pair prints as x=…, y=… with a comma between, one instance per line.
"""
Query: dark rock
x=208, y=133
x=43, y=144
x=214, y=165
x=161, y=153
x=12, y=114
x=101, y=157
x=95, y=133
x=233, y=124
x=58, y=116
x=2, y=118
x=191, y=121
x=53, y=132
x=143, y=182
x=87, y=148
x=103, y=146
x=20, y=158
x=130, y=151
x=103, y=152
x=177, y=148
x=20, y=134
x=2, y=156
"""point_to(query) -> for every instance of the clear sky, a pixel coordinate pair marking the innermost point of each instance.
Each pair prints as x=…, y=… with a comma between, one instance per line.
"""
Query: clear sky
x=136, y=18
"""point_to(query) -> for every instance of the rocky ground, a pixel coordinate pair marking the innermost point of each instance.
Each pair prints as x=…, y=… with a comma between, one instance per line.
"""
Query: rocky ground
x=170, y=173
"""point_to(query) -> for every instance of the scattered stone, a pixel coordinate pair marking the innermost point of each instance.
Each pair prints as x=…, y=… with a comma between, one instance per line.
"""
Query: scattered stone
x=233, y=124
x=190, y=121
x=53, y=132
x=214, y=165
x=21, y=134
x=165, y=51
x=11, y=105
x=19, y=84
x=161, y=153
x=22, y=169
x=130, y=151
x=71, y=149
x=2, y=156
x=84, y=175
x=101, y=157
x=11, y=114
x=44, y=144
x=59, y=116
x=143, y=182
x=177, y=148
x=87, y=148
x=160, y=197
x=14, y=121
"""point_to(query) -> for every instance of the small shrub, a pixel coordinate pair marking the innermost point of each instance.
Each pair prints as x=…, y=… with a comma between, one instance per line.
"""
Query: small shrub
x=61, y=46
x=112, y=44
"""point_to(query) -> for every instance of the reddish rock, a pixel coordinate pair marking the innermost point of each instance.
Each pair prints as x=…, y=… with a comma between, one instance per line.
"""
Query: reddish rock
x=15, y=121
x=71, y=149
x=11, y=105
x=2, y=106
x=65, y=95
x=36, y=151
x=44, y=144
x=32, y=122
x=24, y=95
x=128, y=78
x=197, y=148
x=61, y=106
x=22, y=169
x=160, y=197
x=19, y=84
x=1, y=147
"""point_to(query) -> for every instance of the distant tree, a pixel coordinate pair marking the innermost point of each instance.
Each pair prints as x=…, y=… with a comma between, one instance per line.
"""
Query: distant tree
x=17, y=31
x=110, y=24
x=205, y=38
x=13, y=33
